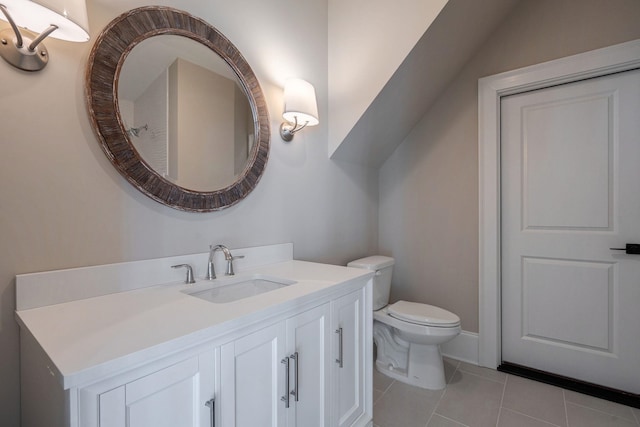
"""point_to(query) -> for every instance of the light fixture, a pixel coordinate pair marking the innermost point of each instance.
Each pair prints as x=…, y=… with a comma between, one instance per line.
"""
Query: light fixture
x=61, y=19
x=300, y=108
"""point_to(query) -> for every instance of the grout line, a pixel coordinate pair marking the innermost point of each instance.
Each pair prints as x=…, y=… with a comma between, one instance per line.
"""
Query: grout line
x=432, y=412
x=532, y=418
x=442, y=395
x=482, y=376
x=591, y=408
x=379, y=397
x=504, y=389
x=387, y=387
x=452, y=420
x=637, y=417
x=566, y=412
x=437, y=403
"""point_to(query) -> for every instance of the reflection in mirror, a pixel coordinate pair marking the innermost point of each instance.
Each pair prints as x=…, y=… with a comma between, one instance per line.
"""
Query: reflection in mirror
x=185, y=112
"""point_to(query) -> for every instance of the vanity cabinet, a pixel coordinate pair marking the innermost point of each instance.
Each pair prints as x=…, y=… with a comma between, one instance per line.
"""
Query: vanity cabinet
x=277, y=376
x=159, y=357
x=306, y=370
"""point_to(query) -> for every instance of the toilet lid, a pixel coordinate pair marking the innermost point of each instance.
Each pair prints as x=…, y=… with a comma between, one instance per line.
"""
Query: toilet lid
x=423, y=314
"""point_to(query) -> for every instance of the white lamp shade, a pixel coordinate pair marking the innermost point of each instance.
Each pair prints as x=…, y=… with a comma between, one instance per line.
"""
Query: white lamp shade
x=300, y=102
x=70, y=16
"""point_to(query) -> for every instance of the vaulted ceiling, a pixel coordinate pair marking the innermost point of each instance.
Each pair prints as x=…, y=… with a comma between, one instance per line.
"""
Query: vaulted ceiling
x=447, y=44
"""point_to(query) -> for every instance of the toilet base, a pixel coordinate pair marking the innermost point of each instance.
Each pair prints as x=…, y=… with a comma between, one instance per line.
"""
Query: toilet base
x=425, y=368
x=411, y=363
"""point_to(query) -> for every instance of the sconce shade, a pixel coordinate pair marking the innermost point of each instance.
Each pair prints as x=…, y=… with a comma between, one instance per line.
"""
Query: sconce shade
x=70, y=16
x=300, y=103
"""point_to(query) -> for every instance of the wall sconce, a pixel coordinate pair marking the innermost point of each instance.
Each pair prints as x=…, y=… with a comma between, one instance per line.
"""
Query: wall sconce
x=61, y=19
x=300, y=108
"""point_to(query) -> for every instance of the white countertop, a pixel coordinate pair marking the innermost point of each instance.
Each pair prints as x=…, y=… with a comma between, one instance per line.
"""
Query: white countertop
x=95, y=337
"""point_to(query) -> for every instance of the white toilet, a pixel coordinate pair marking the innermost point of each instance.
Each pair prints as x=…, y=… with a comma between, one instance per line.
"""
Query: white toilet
x=407, y=334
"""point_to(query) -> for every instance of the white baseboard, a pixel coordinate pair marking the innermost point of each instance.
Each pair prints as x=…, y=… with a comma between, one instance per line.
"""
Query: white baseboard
x=464, y=347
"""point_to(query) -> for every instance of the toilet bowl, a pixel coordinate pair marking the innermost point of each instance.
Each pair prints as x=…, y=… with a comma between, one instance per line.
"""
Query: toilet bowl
x=408, y=349
x=407, y=334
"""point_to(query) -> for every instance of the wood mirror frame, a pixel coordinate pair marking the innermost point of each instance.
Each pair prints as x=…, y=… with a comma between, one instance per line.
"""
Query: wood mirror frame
x=103, y=70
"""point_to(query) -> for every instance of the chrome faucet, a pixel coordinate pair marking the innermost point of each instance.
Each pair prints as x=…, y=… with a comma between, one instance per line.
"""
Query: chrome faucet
x=211, y=272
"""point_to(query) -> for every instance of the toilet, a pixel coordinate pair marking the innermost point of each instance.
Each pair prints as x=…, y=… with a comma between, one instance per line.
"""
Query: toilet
x=407, y=334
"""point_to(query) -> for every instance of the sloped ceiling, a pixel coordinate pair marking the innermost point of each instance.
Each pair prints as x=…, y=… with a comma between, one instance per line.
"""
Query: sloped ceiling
x=449, y=42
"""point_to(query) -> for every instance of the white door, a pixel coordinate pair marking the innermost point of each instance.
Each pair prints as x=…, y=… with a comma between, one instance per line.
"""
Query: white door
x=570, y=165
x=308, y=351
x=175, y=396
x=252, y=379
x=349, y=363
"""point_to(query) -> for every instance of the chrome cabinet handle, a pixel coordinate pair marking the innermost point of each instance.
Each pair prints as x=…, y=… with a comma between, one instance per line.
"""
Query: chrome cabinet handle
x=212, y=409
x=295, y=392
x=339, y=360
x=285, y=398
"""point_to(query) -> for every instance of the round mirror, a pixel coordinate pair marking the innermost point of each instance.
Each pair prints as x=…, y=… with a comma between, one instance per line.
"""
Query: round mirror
x=177, y=109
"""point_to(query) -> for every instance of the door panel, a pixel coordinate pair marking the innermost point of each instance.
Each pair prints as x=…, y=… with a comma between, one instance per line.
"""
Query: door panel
x=551, y=310
x=308, y=339
x=570, y=162
x=252, y=379
x=349, y=367
x=566, y=148
x=173, y=396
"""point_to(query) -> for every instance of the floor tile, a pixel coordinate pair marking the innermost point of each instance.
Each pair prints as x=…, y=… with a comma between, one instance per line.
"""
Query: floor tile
x=380, y=381
x=600, y=405
x=580, y=416
x=471, y=400
x=477, y=397
x=405, y=406
x=490, y=374
x=535, y=399
x=440, y=421
x=509, y=418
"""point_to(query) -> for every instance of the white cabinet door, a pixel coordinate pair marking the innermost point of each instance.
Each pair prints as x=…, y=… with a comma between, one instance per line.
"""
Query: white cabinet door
x=347, y=323
x=252, y=379
x=309, y=368
x=174, y=396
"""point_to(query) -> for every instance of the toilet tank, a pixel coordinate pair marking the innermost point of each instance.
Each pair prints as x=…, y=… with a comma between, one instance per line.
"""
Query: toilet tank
x=383, y=266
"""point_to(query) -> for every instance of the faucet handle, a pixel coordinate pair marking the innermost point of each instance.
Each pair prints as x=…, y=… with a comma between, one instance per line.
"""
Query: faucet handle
x=230, y=264
x=189, y=280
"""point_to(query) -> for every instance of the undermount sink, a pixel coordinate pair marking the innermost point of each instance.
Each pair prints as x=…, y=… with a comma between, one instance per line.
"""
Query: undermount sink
x=233, y=289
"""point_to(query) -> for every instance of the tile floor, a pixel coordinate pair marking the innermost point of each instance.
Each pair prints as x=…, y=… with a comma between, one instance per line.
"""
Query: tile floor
x=478, y=397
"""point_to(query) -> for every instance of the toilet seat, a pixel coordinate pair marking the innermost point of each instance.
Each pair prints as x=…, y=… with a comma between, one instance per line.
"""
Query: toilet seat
x=423, y=314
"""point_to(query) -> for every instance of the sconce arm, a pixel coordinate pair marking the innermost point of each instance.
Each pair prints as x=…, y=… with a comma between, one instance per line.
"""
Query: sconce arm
x=43, y=35
x=287, y=130
x=6, y=13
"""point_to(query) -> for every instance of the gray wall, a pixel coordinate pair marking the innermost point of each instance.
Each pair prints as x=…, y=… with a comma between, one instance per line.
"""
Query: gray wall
x=428, y=210
x=64, y=205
